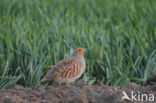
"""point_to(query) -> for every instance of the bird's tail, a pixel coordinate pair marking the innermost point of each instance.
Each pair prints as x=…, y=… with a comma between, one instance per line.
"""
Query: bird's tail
x=45, y=79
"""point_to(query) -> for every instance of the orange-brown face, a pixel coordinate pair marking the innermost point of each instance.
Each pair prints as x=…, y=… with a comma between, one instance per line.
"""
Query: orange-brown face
x=80, y=51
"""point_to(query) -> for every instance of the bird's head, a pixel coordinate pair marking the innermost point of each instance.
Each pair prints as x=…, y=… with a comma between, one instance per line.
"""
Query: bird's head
x=79, y=52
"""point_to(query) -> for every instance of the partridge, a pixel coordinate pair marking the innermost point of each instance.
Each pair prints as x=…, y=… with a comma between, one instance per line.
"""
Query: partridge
x=67, y=70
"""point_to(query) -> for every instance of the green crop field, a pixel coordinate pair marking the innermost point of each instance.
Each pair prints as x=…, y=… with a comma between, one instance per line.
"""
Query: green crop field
x=119, y=35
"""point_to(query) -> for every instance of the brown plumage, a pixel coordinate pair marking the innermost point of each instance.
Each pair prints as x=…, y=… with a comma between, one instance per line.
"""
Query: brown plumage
x=67, y=70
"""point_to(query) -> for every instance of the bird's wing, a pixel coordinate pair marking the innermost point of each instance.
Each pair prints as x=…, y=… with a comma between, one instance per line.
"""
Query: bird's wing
x=69, y=68
x=66, y=68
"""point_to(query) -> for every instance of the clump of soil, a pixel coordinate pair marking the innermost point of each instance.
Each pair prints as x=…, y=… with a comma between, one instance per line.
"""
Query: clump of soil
x=80, y=92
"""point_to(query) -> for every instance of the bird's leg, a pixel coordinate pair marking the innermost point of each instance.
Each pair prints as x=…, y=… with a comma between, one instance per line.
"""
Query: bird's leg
x=66, y=83
x=57, y=83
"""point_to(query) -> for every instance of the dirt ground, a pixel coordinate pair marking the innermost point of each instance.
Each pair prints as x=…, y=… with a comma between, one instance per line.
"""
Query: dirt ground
x=81, y=92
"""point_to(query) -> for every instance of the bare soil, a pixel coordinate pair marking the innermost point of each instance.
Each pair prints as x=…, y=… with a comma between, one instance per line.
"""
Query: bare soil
x=80, y=92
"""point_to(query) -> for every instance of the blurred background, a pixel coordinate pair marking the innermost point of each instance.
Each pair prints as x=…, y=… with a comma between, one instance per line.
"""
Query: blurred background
x=119, y=35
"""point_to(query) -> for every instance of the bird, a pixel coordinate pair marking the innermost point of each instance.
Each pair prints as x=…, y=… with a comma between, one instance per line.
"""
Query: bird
x=67, y=70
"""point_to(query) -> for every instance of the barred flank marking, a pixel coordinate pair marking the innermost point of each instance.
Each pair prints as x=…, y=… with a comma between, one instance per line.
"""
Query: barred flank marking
x=66, y=73
x=73, y=70
x=77, y=68
x=70, y=74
